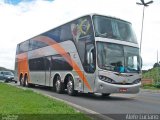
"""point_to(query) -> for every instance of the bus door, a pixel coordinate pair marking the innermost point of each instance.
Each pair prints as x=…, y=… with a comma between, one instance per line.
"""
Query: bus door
x=47, y=70
x=90, y=66
x=91, y=80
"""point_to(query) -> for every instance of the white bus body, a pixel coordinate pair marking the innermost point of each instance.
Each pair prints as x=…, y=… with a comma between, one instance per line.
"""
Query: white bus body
x=92, y=54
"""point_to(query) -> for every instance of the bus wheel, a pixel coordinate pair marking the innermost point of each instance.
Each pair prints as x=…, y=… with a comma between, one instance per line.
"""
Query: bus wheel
x=70, y=87
x=25, y=84
x=59, y=85
x=105, y=94
x=21, y=81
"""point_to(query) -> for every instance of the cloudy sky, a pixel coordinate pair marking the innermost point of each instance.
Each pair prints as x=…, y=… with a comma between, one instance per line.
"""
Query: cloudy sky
x=23, y=19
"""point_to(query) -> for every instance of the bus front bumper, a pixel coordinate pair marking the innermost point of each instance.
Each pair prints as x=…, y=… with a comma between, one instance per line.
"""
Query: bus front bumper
x=103, y=87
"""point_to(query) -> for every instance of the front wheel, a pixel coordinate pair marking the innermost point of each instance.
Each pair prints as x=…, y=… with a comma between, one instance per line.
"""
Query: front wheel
x=70, y=87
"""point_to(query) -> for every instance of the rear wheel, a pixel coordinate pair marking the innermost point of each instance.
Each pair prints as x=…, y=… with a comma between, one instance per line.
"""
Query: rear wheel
x=25, y=84
x=21, y=81
x=59, y=85
x=70, y=87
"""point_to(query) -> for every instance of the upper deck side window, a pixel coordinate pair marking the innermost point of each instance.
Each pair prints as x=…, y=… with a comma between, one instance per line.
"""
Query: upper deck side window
x=22, y=47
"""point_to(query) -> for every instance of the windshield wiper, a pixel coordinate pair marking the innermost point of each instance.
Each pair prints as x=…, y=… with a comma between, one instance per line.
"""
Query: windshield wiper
x=113, y=36
x=129, y=70
x=108, y=67
x=107, y=35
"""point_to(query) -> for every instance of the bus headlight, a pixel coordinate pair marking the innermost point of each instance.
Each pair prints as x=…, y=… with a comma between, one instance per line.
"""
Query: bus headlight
x=106, y=79
x=137, y=81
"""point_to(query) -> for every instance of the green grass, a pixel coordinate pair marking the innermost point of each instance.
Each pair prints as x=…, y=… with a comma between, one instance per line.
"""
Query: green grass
x=150, y=86
x=29, y=105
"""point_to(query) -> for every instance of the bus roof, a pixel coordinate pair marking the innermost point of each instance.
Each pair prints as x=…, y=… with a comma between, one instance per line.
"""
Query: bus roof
x=91, y=14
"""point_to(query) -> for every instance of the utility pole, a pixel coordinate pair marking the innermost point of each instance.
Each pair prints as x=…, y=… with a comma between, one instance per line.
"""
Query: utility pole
x=145, y=4
x=157, y=57
x=157, y=68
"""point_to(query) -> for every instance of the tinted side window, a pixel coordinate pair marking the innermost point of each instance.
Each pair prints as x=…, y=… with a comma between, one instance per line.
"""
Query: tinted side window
x=66, y=32
x=82, y=30
x=59, y=63
x=36, y=44
x=17, y=49
x=23, y=47
x=54, y=34
x=36, y=64
x=47, y=63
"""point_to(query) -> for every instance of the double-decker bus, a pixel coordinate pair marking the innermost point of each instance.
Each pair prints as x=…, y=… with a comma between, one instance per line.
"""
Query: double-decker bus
x=91, y=54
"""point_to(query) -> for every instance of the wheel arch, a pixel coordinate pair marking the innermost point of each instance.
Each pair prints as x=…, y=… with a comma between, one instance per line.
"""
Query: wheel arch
x=25, y=75
x=54, y=78
x=20, y=76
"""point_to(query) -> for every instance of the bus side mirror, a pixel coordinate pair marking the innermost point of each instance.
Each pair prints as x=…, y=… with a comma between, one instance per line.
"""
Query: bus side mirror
x=89, y=57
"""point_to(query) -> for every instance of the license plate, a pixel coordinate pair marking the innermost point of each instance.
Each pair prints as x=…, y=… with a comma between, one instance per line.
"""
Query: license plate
x=123, y=89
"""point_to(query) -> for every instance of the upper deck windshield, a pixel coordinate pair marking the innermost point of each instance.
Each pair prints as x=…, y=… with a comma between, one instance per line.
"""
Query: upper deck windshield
x=113, y=28
x=118, y=58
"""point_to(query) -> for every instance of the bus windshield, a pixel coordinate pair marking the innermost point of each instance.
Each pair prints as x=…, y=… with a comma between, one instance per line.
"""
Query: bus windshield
x=118, y=58
x=113, y=28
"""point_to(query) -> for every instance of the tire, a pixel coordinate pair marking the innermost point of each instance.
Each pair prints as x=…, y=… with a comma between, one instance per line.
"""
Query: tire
x=59, y=85
x=21, y=81
x=25, y=84
x=105, y=94
x=54, y=87
x=70, y=87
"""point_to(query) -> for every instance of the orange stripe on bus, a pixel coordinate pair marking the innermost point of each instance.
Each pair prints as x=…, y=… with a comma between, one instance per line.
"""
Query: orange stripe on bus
x=22, y=60
x=63, y=53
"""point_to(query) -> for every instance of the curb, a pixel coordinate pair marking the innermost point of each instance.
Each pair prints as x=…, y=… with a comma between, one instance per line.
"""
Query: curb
x=94, y=115
x=148, y=90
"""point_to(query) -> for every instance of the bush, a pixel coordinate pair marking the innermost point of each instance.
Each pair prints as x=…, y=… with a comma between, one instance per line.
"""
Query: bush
x=157, y=85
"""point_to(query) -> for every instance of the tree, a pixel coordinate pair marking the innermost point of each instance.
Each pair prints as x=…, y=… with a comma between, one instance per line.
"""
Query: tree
x=156, y=65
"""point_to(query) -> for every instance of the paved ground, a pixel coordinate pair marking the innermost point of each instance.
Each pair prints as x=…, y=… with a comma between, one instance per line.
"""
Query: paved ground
x=144, y=102
x=147, y=102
